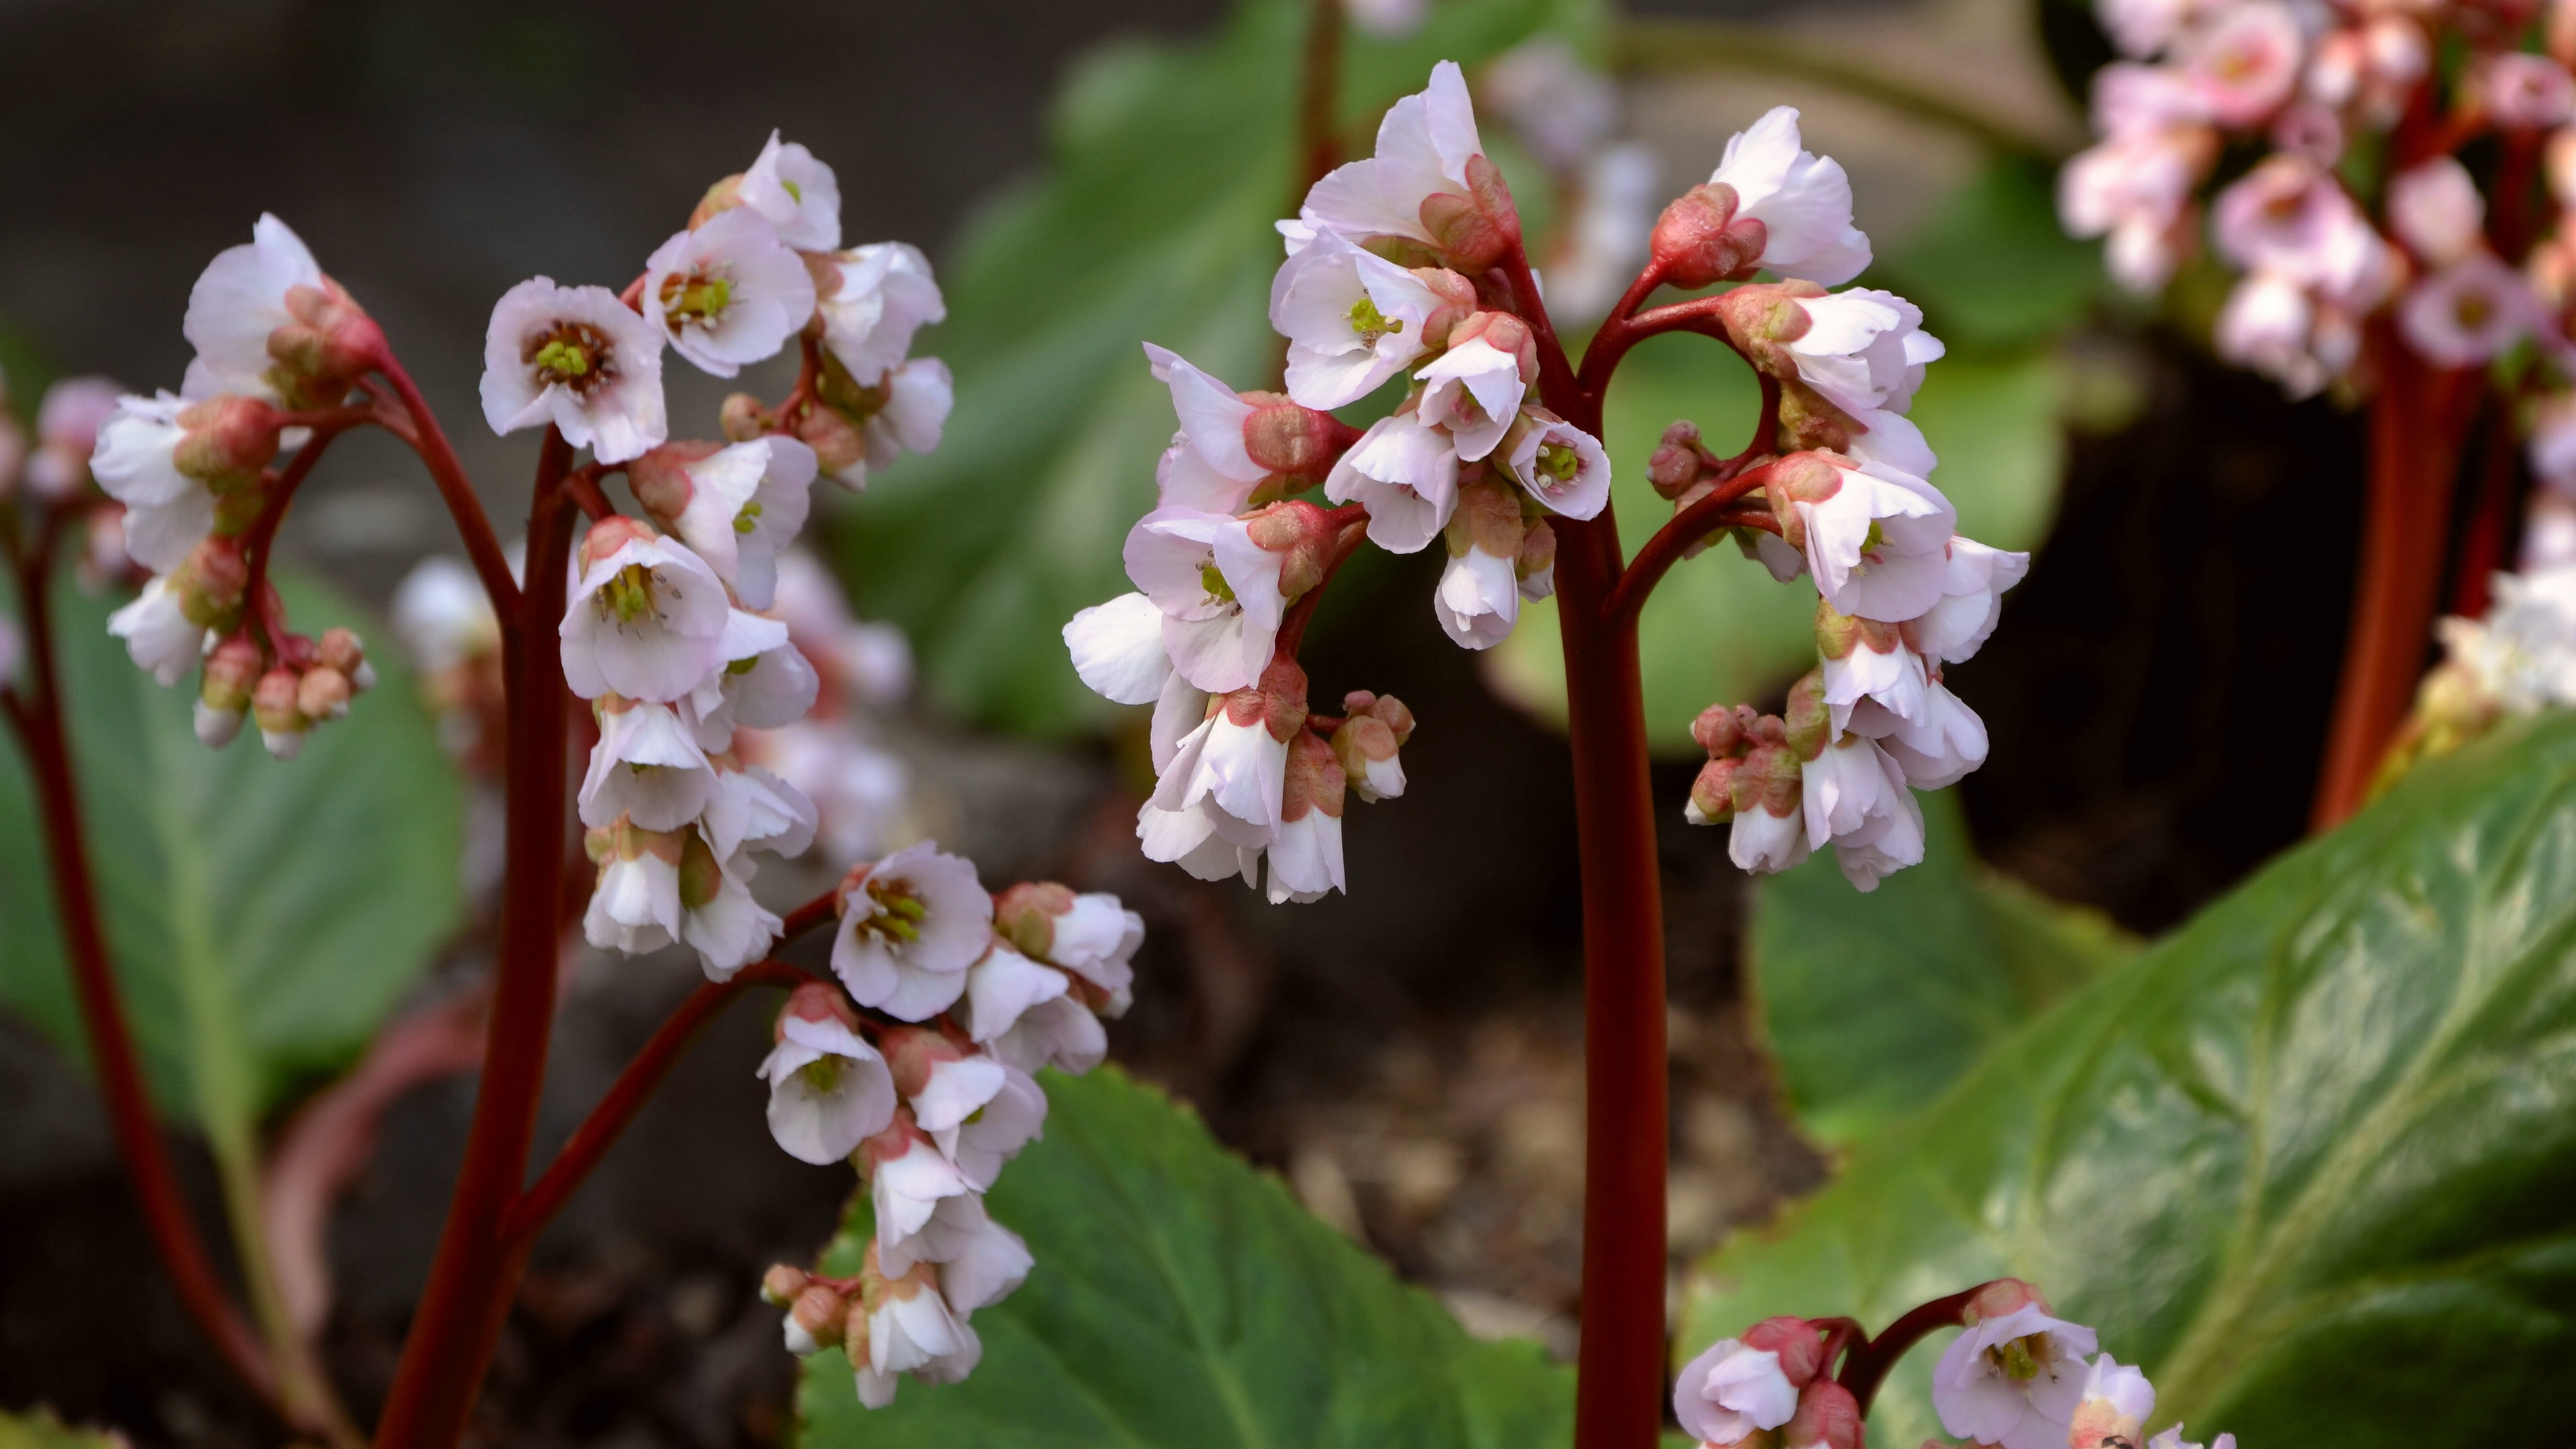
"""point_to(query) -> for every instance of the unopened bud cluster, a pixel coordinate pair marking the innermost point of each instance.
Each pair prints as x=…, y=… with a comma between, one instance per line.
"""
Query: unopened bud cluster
x=2017, y=1377
x=917, y=1067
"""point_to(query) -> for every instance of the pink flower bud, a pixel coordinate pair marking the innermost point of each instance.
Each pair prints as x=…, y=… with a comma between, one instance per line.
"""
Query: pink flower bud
x=1712, y=794
x=742, y=417
x=1722, y=729
x=1504, y=333
x=232, y=675
x=1457, y=299
x=816, y=1001
x=229, y=439
x=1698, y=240
x=780, y=1285
x=815, y=1320
x=330, y=343
x=339, y=648
x=272, y=704
x=1385, y=708
x=1678, y=460
x=1303, y=532
x=1315, y=778
x=1025, y=916
x=210, y=583
x=1796, y=1341
x=1807, y=723
x=1827, y=1416
x=2002, y=1296
x=1488, y=519
x=836, y=441
x=725, y=195
x=610, y=534
x=322, y=694
x=1477, y=229
x=912, y=1053
x=1535, y=567
x=661, y=480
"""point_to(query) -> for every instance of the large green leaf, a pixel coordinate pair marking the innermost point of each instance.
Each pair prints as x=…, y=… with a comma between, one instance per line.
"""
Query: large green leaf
x=264, y=915
x=2309, y=1160
x=1181, y=1298
x=1718, y=628
x=1876, y=1003
x=1154, y=221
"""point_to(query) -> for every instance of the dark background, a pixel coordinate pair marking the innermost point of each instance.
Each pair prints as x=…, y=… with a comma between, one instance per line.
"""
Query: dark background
x=1408, y=1056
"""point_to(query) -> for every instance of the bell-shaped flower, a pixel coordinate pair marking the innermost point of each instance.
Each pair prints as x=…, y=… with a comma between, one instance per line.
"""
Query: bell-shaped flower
x=909, y=1328
x=797, y=194
x=760, y=681
x=1092, y=935
x=647, y=766
x=982, y=1143
x=646, y=618
x=1864, y=660
x=1557, y=463
x=239, y=301
x=1219, y=590
x=1802, y=201
x=1423, y=146
x=1863, y=349
x=1972, y=590
x=736, y=506
x=2015, y=1376
x=1062, y=1033
x=1479, y=596
x=1217, y=802
x=1001, y=987
x=944, y=1084
x=829, y=1090
x=1207, y=467
x=910, y=926
x=1943, y=744
x=1372, y=734
x=1406, y=473
x=1730, y=1390
x=1352, y=319
x=167, y=459
x=1876, y=539
x=1473, y=389
x=2245, y=62
x=728, y=292
x=754, y=809
x=1848, y=786
x=1769, y=828
x=718, y=916
x=907, y=1178
x=1306, y=853
x=67, y=428
x=980, y=1261
x=2467, y=314
x=1117, y=649
x=635, y=904
x=160, y=637
x=2436, y=209
x=577, y=358
x=872, y=300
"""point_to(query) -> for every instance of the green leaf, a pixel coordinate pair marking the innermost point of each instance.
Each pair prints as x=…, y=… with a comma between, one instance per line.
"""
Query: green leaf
x=39, y=1429
x=1170, y=162
x=2307, y=1160
x=1876, y=1003
x=265, y=916
x=1718, y=628
x=1993, y=268
x=1181, y=1298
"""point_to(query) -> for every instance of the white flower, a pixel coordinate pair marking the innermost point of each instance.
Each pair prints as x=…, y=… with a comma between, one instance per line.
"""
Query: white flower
x=2245, y=63
x=1730, y=1390
x=2468, y=313
x=158, y=634
x=1474, y=391
x=1804, y=202
x=1972, y=590
x=442, y=615
x=1003, y=986
x=910, y=926
x=1874, y=666
x=2266, y=325
x=1939, y=746
x=2013, y=1379
x=1306, y=852
x=2434, y=207
x=911, y=418
x=635, y=905
x=1352, y=320
x=907, y=1177
x=647, y=766
x=981, y=1144
x=911, y=1329
x=829, y=1090
x=873, y=299
x=760, y=680
x=577, y=358
x=1856, y=798
x=1478, y=599
x=942, y=1085
x=1878, y=544
x=237, y=302
x=745, y=503
x=1096, y=939
x=718, y=917
x=1062, y=1033
x=797, y=194
x=1406, y=472
x=1218, y=800
x=136, y=463
x=729, y=293
x=1761, y=842
x=753, y=809
x=1219, y=592
x=1890, y=441
x=67, y=428
x=647, y=616
x=1864, y=349
x=1117, y=649
x=1423, y=146
x=1207, y=466
x=2117, y=1400
x=980, y=1261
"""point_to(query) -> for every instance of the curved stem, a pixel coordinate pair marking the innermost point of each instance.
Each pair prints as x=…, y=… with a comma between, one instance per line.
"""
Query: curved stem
x=260, y=541
x=38, y=721
x=1871, y=1358
x=627, y=1095
x=816, y=912
x=491, y=565
x=1720, y=509
x=472, y=1279
x=1353, y=520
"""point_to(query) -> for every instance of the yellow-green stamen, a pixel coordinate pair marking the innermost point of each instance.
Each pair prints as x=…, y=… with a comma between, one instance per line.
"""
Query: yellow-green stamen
x=748, y=519
x=1370, y=323
x=1212, y=579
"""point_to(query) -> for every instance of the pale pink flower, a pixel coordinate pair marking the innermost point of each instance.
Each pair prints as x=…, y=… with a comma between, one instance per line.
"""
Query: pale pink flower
x=647, y=766
x=911, y=925
x=1978, y=1400
x=797, y=194
x=2436, y=210
x=1878, y=545
x=729, y=293
x=577, y=358
x=1731, y=1390
x=1423, y=146
x=67, y=429
x=1406, y=472
x=1559, y=464
x=745, y=503
x=136, y=463
x=1803, y=201
x=2246, y=61
x=159, y=636
x=1117, y=649
x=2468, y=313
x=829, y=1090
x=1207, y=466
x=1352, y=320
x=237, y=302
x=1472, y=392
x=873, y=299
x=1218, y=589
x=1972, y=590
x=1864, y=350
x=2525, y=92
x=983, y=1143
x=646, y=618
x=1478, y=599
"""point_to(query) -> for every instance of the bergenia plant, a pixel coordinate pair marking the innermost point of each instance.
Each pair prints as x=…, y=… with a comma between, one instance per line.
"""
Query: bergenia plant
x=703, y=665
x=1405, y=272
x=2384, y=191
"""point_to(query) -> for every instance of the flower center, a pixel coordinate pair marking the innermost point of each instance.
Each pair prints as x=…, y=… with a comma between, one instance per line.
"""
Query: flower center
x=1371, y=324
x=696, y=297
x=794, y=192
x=2474, y=310
x=823, y=1074
x=1558, y=462
x=898, y=915
x=2018, y=1359
x=574, y=354
x=628, y=595
x=1212, y=579
x=748, y=519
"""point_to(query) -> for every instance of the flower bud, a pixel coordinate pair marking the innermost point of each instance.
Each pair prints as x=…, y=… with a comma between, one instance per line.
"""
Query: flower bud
x=1712, y=794
x=281, y=724
x=210, y=583
x=1025, y=916
x=1535, y=567
x=1383, y=707
x=1479, y=228
x=816, y=1001
x=1315, y=780
x=1768, y=778
x=1457, y=299
x=1763, y=318
x=1298, y=443
x=1488, y=519
x=609, y=535
x=341, y=650
x=780, y=1285
x=815, y=1320
x=1723, y=729
x=1504, y=333
x=2002, y=1296
x=322, y=694
x=327, y=345
x=1367, y=749
x=661, y=480
x=1795, y=1340
x=228, y=440
x=1678, y=460
x=725, y=195
x=701, y=874
x=837, y=443
x=742, y=417
x=1827, y=1418
x=1698, y=239
x=1807, y=721
x=224, y=692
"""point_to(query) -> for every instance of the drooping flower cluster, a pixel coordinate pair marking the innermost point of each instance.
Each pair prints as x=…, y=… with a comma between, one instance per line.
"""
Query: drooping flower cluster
x=922, y=1076
x=2018, y=1377
x=52, y=468
x=278, y=343
x=2385, y=98
x=672, y=628
x=1845, y=479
